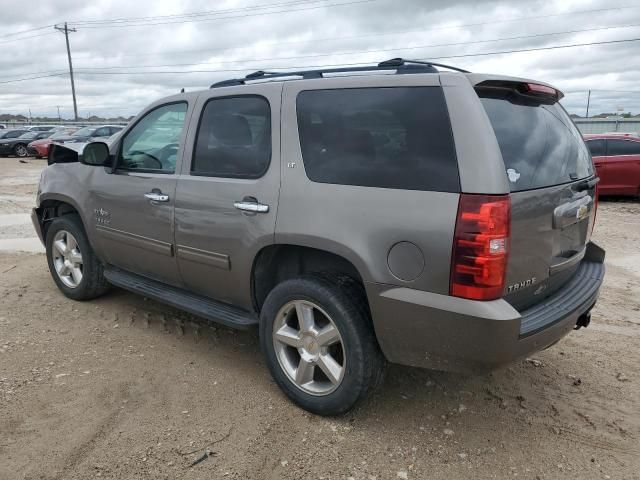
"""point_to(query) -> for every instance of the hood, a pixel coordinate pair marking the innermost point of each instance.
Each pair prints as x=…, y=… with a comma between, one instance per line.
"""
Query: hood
x=42, y=141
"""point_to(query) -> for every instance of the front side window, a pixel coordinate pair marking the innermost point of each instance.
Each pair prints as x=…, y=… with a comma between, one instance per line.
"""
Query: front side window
x=152, y=144
x=234, y=138
x=596, y=147
x=623, y=147
x=390, y=137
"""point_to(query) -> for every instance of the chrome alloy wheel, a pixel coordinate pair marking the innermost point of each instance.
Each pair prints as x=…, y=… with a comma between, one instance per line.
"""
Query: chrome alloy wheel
x=21, y=151
x=67, y=258
x=309, y=347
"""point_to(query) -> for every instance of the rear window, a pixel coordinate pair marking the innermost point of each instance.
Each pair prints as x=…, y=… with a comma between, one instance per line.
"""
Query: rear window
x=622, y=147
x=397, y=137
x=540, y=145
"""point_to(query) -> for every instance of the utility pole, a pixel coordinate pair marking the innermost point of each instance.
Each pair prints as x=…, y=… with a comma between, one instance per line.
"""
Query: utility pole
x=66, y=31
x=59, y=118
x=588, y=101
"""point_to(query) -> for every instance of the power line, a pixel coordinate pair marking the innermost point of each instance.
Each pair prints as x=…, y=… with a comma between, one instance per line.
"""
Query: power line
x=514, y=19
x=520, y=37
x=26, y=38
x=25, y=31
x=357, y=52
x=480, y=54
x=195, y=14
x=353, y=2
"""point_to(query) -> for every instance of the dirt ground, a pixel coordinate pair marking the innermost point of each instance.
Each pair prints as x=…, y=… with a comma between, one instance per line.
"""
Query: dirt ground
x=121, y=387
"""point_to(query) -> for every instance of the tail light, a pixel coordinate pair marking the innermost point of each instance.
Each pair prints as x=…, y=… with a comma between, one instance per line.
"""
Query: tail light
x=595, y=209
x=480, y=247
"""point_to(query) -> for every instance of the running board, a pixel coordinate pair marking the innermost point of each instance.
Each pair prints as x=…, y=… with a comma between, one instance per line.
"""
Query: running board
x=190, y=302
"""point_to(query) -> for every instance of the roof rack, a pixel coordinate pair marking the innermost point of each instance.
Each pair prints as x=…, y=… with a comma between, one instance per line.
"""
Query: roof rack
x=400, y=65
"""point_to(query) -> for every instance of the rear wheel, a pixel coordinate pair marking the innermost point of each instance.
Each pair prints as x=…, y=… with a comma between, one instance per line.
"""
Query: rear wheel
x=74, y=267
x=20, y=150
x=319, y=344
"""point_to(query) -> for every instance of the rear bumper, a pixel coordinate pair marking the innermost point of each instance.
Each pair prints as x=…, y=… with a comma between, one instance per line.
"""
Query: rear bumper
x=424, y=329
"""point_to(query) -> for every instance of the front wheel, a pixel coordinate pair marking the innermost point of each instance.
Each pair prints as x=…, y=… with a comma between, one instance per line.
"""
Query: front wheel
x=20, y=150
x=77, y=271
x=319, y=342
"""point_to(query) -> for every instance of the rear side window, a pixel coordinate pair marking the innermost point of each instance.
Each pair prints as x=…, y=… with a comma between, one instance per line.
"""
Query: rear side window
x=622, y=147
x=397, y=137
x=540, y=145
x=234, y=138
x=596, y=147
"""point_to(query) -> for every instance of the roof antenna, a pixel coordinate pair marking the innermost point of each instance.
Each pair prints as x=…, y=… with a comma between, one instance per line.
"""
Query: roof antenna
x=182, y=90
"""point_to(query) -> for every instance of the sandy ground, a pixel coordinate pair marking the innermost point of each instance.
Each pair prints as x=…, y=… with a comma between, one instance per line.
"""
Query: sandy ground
x=121, y=387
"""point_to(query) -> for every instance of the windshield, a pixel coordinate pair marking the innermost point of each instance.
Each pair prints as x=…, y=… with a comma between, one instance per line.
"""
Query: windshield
x=540, y=145
x=58, y=135
x=84, y=132
x=29, y=135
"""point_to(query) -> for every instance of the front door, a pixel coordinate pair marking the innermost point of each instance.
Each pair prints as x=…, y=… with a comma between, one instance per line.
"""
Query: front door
x=133, y=207
x=227, y=195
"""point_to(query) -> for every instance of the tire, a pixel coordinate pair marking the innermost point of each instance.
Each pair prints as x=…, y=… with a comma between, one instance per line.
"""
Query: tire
x=91, y=282
x=21, y=150
x=335, y=300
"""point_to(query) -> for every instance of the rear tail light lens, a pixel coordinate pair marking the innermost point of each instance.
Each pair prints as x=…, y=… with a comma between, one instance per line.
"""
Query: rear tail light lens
x=480, y=247
x=595, y=210
x=537, y=89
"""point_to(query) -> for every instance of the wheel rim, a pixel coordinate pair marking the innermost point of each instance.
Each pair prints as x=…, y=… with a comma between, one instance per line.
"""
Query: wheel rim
x=309, y=347
x=21, y=150
x=67, y=258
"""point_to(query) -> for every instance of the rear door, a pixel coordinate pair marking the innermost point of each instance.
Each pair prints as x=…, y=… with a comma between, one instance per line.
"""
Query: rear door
x=227, y=194
x=552, y=200
x=622, y=166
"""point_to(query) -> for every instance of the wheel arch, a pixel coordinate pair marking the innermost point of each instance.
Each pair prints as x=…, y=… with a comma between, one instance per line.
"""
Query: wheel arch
x=278, y=262
x=53, y=206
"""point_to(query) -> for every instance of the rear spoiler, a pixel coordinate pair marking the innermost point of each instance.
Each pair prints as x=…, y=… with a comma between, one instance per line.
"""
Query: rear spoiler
x=533, y=89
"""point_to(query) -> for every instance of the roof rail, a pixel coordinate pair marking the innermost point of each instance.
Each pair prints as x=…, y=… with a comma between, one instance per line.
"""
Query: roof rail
x=400, y=65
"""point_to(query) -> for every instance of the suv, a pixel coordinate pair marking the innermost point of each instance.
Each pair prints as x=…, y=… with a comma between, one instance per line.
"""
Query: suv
x=423, y=217
x=617, y=160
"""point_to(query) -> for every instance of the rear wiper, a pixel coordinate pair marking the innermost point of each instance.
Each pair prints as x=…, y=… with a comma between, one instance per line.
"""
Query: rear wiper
x=586, y=184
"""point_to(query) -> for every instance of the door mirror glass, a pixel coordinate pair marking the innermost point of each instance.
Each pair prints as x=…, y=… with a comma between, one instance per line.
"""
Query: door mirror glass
x=96, y=153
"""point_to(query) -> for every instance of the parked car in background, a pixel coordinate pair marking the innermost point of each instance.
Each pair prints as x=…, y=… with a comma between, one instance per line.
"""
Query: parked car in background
x=18, y=145
x=91, y=133
x=12, y=133
x=41, y=128
x=617, y=160
x=40, y=148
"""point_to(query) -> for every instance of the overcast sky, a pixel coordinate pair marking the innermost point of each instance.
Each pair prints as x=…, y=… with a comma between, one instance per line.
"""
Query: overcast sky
x=120, y=62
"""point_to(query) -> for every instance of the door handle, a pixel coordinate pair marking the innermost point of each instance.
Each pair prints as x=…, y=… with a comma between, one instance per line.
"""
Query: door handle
x=251, y=206
x=157, y=196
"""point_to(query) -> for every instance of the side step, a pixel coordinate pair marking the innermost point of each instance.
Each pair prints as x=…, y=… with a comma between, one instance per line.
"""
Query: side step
x=190, y=302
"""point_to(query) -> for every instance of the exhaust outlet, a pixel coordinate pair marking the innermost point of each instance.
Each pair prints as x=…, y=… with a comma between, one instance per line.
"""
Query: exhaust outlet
x=583, y=321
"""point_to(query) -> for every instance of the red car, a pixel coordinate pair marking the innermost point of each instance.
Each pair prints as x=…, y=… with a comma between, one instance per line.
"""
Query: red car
x=617, y=160
x=40, y=148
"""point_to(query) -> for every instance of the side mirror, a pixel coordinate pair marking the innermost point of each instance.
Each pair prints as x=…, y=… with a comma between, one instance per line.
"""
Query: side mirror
x=96, y=154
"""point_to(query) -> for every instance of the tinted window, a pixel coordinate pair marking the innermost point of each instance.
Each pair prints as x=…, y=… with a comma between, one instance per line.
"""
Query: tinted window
x=102, y=132
x=234, y=138
x=378, y=137
x=14, y=134
x=622, y=147
x=152, y=144
x=596, y=147
x=540, y=145
x=84, y=132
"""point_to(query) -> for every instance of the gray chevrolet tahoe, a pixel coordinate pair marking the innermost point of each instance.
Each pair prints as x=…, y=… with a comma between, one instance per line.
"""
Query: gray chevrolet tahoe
x=406, y=212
